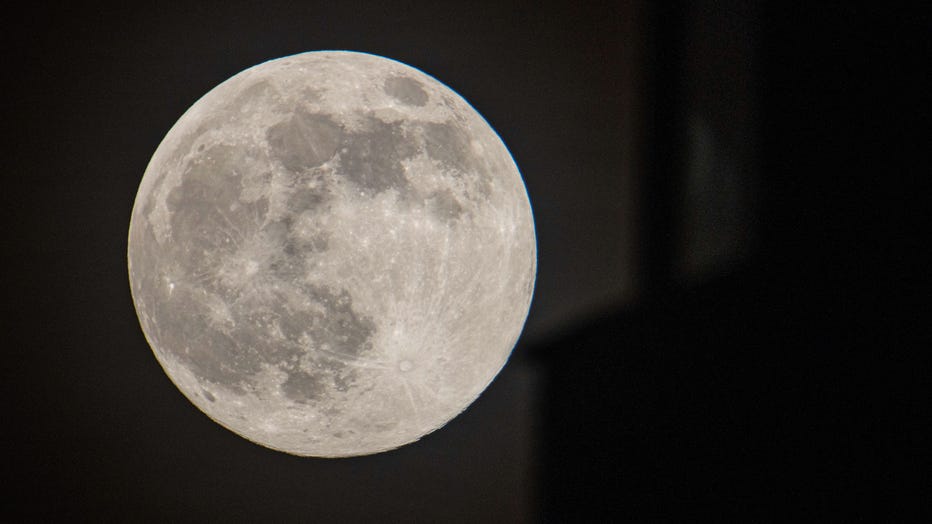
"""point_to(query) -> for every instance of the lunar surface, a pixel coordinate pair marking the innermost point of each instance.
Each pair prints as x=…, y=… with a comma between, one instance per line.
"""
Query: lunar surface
x=332, y=254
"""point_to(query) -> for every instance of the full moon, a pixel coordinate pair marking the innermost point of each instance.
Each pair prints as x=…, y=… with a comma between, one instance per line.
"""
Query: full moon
x=332, y=254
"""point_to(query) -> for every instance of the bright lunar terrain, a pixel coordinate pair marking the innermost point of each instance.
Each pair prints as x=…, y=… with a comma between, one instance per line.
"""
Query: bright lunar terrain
x=332, y=254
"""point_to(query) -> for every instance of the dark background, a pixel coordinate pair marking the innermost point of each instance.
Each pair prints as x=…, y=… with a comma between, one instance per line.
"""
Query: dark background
x=723, y=316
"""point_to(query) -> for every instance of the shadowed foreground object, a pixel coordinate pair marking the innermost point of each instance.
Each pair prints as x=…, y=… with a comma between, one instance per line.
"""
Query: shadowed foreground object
x=332, y=254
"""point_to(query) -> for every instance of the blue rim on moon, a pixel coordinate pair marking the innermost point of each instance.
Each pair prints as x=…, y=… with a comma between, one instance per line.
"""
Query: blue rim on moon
x=332, y=254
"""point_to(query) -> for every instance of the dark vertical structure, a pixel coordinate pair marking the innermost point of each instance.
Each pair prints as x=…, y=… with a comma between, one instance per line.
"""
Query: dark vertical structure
x=663, y=141
x=718, y=134
x=650, y=408
x=700, y=141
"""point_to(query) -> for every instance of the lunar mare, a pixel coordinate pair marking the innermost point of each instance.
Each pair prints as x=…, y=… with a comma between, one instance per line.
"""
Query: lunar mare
x=332, y=254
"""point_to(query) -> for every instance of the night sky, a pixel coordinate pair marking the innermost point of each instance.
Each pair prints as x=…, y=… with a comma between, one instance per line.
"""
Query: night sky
x=721, y=302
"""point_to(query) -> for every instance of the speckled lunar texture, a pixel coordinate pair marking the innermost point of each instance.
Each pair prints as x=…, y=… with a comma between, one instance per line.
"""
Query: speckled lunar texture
x=332, y=254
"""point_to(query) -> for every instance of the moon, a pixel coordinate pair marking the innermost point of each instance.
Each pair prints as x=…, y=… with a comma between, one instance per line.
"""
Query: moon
x=332, y=254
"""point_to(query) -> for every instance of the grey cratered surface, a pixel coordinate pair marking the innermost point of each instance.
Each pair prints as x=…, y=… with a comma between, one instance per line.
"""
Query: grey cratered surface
x=332, y=254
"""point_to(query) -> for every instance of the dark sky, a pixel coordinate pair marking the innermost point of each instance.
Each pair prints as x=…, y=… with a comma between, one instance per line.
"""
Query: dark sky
x=713, y=278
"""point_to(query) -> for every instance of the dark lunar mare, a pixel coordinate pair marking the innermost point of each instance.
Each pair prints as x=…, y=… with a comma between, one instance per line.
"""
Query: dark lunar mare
x=305, y=140
x=212, y=230
x=371, y=159
x=406, y=90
